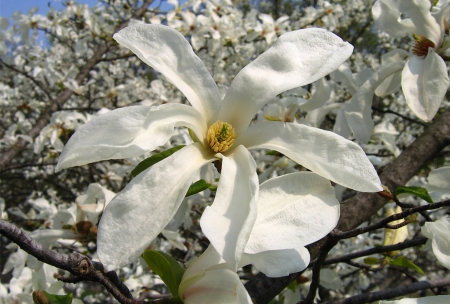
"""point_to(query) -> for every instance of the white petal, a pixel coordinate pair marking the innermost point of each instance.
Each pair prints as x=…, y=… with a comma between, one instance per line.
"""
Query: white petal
x=295, y=59
x=341, y=126
x=438, y=233
x=392, y=83
x=424, y=22
x=322, y=152
x=320, y=97
x=358, y=110
x=425, y=82
x=386, y=15
x=294, y=210
x=439, y=184
x=138, y=214
x=128, y=132
x=209, y=258
x=219, y=286
x=278, y=263
x=168, y=52
x=228, y=222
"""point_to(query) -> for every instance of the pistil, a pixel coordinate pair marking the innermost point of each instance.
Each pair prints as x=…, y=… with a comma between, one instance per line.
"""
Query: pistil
x=221, y=136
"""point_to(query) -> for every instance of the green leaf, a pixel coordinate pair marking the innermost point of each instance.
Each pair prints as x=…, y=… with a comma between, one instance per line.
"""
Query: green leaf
x=51, y=298
x=417, y=191
x=293, y=285
x=403, y=262
x=273, y=152
x=167, y=268
x=197, y=187
x=371, y=261
x=148, y=162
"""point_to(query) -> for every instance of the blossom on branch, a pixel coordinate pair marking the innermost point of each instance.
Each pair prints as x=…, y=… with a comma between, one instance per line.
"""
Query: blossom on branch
x=222, y=132
x=424, y=78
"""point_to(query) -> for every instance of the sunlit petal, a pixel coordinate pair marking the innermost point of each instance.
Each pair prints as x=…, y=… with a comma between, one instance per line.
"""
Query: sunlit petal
x=139, y=213
x=168, y=52
x=127, y=132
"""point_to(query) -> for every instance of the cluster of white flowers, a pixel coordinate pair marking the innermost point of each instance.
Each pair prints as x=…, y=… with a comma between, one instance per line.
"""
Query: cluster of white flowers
x=267, y=108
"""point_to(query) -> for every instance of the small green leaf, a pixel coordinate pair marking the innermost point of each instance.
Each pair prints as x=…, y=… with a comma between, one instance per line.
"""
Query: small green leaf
x=197, y=187
x=148, y=162
x=371, y=261
x=293, y=285
x=167, y=268
x=272, y=152
x=51, y=298
x=403, y=262
x=417, y=191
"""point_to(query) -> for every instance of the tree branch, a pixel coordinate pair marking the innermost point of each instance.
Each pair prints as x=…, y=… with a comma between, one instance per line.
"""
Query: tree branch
x=384, y=222
x=392, y=293
x=57, y=102
x=379, y=249
x=80, y=266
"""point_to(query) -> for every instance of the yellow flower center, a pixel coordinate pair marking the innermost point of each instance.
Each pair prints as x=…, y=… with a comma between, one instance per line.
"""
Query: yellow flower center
x=221, y=136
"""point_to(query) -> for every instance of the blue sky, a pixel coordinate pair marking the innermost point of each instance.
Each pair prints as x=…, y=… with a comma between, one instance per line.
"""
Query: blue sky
x=8, y=7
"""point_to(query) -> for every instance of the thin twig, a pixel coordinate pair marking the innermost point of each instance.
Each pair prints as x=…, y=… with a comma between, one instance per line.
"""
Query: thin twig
x=392, y=293
x=80, y=266
x=374, y=250
x=394, y=217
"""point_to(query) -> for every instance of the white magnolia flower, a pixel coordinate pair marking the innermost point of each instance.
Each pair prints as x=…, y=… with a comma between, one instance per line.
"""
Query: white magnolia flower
x=437, y=232
x=424, y=78
x=210, y=277
x=294, y=210
x=138, y=213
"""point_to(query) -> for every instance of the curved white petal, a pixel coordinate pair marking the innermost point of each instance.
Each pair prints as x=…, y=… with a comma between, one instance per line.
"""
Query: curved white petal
x=218, y=286
x=386, y=15
x=425, y=82
x=358, y=110
x=168, y=52
x=209, y=258
x=228, y=222
x=278, y=263
x=128, y=132
x=294, y=210
x=438, y=233
x=424, y=22
x=137, y=214
x=439, y=184
x=322, y=152
x=295, y=59
x=341, y=126
x=392, y=83
x=320, y=97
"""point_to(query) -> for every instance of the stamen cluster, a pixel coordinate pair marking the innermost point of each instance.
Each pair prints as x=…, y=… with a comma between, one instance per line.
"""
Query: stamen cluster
x=421, y=45
x=221, y=136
